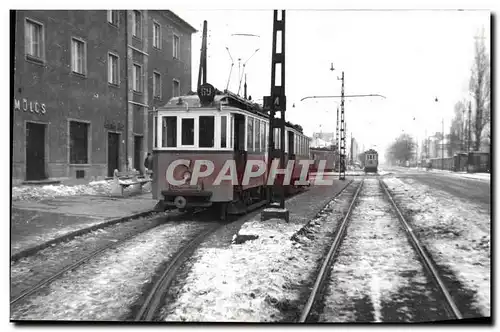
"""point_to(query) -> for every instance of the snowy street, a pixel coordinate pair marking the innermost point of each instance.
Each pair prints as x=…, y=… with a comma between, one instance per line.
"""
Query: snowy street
x=476, y=190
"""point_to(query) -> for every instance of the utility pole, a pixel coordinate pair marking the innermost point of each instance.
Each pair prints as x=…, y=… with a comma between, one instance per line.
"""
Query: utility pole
x=469, y=136
x=276, y=102
x=342, y=134
x=337, y=138
x=462, y=140
x=442, y=144
x=245, y=87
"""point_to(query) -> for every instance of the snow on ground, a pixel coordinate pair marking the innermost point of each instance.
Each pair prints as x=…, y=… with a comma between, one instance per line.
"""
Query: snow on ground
x=32, y=192
x=374, y=266
x=106, y=287
x=477, y=176
x=259, y=279
x=455, y=231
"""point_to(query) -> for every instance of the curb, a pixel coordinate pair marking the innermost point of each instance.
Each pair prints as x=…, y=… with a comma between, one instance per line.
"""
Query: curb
x=71, y=235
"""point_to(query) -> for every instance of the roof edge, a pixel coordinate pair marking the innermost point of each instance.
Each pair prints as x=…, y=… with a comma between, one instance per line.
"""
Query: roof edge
x=183, y=22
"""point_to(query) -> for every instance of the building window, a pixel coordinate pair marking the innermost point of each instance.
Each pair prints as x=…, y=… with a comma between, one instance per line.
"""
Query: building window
x=78, y=56
x=113, y=69
x=187, y=132
x=137, y=24
x=156, y=35
x=156, y=85
x=176, y=88
x=169, y=132
x=137, y=78
x=78, y=145
x=207, y=132
x=155, y=131
x=223, y=131
x=176, y=44
x=34, y=39
x=113, y=17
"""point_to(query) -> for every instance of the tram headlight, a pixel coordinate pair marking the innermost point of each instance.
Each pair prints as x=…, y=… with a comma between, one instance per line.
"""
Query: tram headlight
x=186, y=176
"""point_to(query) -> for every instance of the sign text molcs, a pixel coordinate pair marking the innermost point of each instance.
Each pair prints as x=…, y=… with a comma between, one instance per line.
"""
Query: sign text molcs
x=33, y=107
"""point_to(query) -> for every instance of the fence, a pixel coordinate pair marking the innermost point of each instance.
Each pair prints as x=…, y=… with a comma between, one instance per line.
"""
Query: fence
x=461, y=162
x=443, y=163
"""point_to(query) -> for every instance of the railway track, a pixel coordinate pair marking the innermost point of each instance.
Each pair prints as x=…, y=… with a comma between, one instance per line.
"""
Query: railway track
x=153, y=300
x=32, y=273
x=43, y=273
x=370, y=253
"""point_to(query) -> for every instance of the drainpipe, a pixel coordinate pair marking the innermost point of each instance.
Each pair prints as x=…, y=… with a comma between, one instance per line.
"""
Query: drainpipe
x=145, y=131
x=127, y=88
x=130, y=97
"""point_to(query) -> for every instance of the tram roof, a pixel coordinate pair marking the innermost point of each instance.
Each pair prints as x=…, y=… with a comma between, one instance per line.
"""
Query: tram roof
x=226, y=98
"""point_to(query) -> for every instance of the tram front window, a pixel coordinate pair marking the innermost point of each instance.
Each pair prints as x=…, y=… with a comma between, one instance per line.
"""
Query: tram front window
x=187, y=131
x=207, y=132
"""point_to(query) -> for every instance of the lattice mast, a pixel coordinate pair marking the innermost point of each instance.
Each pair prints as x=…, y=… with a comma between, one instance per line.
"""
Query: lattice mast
x=342, y=134
x=277, y=103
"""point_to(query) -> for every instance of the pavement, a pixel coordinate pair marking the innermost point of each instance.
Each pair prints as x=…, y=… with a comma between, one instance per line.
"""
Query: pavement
x=33, y=223
x=473, y=189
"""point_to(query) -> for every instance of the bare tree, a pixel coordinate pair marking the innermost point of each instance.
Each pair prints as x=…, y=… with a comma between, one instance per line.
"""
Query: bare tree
x=401, y=149
x=480, y=87
x=457, y=136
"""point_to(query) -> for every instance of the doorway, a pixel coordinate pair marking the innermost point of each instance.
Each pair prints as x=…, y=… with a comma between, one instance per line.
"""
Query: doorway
x=35, y=151
x=291, y=145
x=137, y=153
x=113, y=153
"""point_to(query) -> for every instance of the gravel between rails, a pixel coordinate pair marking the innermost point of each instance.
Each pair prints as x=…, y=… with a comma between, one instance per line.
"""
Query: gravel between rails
x=105, y=287
x=456, y=234
x=377, y=276
x=29, y=271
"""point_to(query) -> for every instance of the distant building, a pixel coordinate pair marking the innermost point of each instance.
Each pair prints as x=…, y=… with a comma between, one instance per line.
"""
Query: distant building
x=354, y=150
x=84, y=83
x=321, y=140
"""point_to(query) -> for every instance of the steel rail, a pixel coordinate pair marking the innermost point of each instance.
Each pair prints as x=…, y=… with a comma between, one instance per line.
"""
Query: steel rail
x=326, y=263
x=451, y=306
x=89, y=256
x=154, y=299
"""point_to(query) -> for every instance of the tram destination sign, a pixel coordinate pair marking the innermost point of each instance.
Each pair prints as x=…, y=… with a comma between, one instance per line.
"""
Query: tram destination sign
x=206, y=92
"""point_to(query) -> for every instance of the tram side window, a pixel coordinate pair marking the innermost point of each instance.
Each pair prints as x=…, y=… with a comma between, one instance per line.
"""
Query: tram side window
x=262, y=136
x=250, y=134
x=266, y=142
x=223, y=131
x=257, y=135
x=207, y=132
x=187, y=132
x=169, y=132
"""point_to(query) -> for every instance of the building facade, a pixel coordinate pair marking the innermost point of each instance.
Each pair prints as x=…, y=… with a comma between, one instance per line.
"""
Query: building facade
x=84, y=85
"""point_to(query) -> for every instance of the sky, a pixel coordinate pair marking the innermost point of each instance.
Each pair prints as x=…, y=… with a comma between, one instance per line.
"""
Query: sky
x=410, y=57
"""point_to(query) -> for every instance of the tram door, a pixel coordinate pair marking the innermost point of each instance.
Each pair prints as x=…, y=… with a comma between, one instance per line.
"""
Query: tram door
x=240, y=155
x=291, y=145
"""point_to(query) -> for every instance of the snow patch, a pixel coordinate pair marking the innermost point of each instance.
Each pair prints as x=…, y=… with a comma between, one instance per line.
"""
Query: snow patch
x=94, y=188
x=456, y=232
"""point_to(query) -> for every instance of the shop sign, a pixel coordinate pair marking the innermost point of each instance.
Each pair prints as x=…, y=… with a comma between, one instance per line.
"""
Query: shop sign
x=32, y=106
